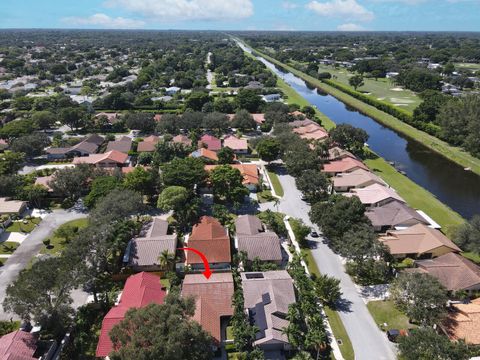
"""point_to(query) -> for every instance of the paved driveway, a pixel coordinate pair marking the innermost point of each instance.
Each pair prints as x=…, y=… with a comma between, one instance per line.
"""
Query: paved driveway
x=367, y=340
x=30, y=247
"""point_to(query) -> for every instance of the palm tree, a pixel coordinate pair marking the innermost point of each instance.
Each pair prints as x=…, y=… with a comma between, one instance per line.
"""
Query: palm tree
x=166, y=260
x=316, y=336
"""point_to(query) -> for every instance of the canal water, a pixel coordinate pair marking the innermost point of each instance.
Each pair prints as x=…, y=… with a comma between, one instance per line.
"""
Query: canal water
x=449, y=182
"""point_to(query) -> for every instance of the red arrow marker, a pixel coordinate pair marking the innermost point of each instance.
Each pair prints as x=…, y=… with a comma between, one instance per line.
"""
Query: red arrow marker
x=207, y=273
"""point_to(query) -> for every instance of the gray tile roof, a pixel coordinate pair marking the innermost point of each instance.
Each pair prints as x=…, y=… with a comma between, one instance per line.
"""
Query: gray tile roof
x=248, y=225
x=159, y=227
x=265, y=246
x=123, y=145
x=146, y=251
x=394, y=214
x=267, y=297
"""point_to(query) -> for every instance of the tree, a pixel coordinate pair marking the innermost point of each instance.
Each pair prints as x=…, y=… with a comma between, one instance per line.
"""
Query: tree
x=43, y=119
x=101, y=187
x=308, y=111
x=186, y=172
x=173, y=198
x=66, y=232
x=420, y=296
x=425, y=343
x=216, y=122
x=268, y=149
x=11, y=162
x=31, y=145
x=73, y=117
x=418, y=79
x=248, y=100
x=71, y=182
x=338, y=215
x=143, y=122
x=356, y=81
x=34, y=194
x=140, y=180
x=227, y=184
x=225, y=156
x=349, y=137
x=119, y=204
x=42, y=293
x=166, y=260
x=196, y=100
x=467, y=235
x=223, y=105
x=137, y=336
x=328, y=289
x=313, y=184
x=243, y=121
x=299, y=160
x=17, y=128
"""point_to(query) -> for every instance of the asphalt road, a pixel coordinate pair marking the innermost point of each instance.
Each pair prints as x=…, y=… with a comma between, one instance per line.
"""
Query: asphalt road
x=29, y=248
x=367, y=340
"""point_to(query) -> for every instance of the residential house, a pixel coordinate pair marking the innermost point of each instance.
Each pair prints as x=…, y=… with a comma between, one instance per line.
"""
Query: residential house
x=208, y=156
x=259, y=118
x=210, y=142
x=418, y=241
x=148, y=144
x=111, y=159
x=139, y=291
x=182, y=139
x=258, y=244
x=123, y=145
x=143, y=253
x=394, y=215
x=337, y=153
x=267, y=297
x=359, y=178
x=463, y=322
x=112, y=118
x=213, y=302
x=172, y=90
x=157, y=117
x=453, y=271
x=12, y=207
x=254, y=85
x=239, y=146
x=375, y=195
x=346, y=164
x=86, y=147
x=210, y=238
x=250, y=173
x=20, y=345
x=312, y=132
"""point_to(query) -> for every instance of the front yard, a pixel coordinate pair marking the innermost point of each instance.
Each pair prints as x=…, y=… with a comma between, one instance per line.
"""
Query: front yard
x=385, y=312
x=275, y=183
x=24, y=225
x=8, y=247
x=57, y=241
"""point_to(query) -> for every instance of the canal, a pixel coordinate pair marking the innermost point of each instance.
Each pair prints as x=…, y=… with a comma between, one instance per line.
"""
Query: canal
x=449, y=182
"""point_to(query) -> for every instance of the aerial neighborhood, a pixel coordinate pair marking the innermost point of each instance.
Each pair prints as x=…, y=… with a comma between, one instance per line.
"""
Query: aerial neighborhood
x=166, y=195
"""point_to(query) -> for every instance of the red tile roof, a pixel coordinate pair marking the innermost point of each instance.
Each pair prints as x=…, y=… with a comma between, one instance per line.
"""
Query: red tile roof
x=18, y=345
x=209, y=237
x=344, y=165
x=211, y=142
x=205, y=153
x=139, y=291
x=213, y=299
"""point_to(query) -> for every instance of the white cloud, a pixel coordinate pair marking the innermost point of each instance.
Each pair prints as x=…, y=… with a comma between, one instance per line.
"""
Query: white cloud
x=350, y=27
x=105, y=21
x=289, y=5
x=174, y=10
x=348, y=9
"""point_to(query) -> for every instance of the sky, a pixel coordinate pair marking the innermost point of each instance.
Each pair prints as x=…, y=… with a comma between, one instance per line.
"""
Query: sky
x=295, y=15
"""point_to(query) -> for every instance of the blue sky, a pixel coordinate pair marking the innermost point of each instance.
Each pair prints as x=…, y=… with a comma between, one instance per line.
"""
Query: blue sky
x=330, y=15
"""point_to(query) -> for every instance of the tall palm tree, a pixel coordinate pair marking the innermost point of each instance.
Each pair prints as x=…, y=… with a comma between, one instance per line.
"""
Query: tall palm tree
x=166, y=260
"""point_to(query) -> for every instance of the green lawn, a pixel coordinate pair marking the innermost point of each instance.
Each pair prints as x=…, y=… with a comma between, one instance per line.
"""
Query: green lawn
x=264, y=196
x=452, y=153
x=385, y=312
x=468, y=66
x=8, y=247
x=416, y=196
x=275, y=183
x=381, y=89
x=230, y=333
x=472, y=256
x=333, y=317
x=57, y=244
x=19, y=226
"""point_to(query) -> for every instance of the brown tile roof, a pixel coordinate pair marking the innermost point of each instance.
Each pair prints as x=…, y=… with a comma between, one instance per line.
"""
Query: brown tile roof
x=235, y=143
x=417, y=239
x=336, y=153
x=463, y=323
x=357, y=178
x=453, y=271
x=213, y=299
x=249, y=172
x=394, y=214
x=11, y=206
x=209, y=237
x=123, y=145
x=44, y=181
x=205, y=153
x=311, y=132
x=267, y=296
x=113, y=156
x=248, y=225
x=182, y=139
x=264, y=245
x=374, y=194
x=347, y=164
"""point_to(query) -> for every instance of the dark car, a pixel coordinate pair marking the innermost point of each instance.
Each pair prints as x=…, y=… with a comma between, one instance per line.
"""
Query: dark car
x=393, y=334
x=314, y=234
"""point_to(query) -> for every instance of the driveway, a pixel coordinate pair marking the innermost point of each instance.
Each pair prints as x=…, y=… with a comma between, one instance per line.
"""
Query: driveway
x=30, y=248
x=367, y=340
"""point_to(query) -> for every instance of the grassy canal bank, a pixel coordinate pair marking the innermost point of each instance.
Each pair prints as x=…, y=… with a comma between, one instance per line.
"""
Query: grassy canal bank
x=452, y=153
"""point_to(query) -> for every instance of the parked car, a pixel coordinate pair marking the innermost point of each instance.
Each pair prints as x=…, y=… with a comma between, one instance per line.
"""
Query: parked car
x=314, y=234
x=394, y=334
